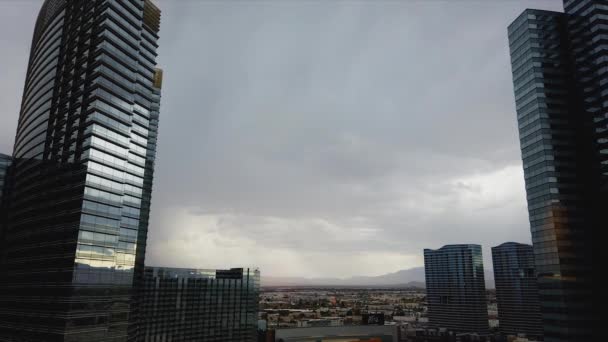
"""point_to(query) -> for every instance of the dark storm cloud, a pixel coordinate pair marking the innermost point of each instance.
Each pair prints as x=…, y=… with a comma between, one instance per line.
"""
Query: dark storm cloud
x=316, y=137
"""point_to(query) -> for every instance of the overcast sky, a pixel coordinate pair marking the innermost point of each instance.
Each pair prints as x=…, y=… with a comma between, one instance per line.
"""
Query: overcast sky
x=322, y=138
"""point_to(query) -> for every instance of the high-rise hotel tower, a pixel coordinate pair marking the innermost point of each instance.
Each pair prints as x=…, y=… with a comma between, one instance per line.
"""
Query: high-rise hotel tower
x=78, y=194
x=456, y=288
x=516, y=290
x=560, y=76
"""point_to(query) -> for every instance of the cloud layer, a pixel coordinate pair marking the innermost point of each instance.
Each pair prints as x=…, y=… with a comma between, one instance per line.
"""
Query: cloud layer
x=326, y=138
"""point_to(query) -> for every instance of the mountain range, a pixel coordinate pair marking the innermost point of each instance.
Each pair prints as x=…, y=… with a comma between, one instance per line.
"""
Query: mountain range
x=413, y=277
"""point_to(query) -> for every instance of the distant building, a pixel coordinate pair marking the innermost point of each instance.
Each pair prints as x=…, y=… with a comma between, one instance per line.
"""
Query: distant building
x=416, y=334
x=455, y=286
x=320, y=322
x=372, y=318
x=265, y=334
x=516, y=290
x=180, y=304
x=356, y=333
x=558, y=62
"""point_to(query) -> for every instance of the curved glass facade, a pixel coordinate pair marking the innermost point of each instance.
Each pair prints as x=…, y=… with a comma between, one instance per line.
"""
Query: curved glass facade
x=40, y=81
x=516, y=290
x=83, y=167
x=559, y=63
x=455, y=288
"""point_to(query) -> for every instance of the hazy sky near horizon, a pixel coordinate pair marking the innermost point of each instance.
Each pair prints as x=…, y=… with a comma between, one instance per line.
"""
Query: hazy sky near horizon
x=322, y=138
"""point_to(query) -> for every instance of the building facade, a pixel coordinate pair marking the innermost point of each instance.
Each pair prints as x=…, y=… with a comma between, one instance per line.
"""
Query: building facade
x=455, y=288
x=559, y=74
x=355, y=333
x=80, y=186
x=5, y=162
x=516, y=290
x=199, y=305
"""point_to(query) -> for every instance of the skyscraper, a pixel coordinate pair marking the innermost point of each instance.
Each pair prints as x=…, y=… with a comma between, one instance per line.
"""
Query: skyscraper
x=182, y=304
x=559, y=74
x=516, y=290
x=5, y=162
x=455, y=288
x=81, y=182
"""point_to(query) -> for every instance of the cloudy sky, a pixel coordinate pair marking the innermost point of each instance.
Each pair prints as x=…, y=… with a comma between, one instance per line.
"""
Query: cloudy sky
x=323, y=138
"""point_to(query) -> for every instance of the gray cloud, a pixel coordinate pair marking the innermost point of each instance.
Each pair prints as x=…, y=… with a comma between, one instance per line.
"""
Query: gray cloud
x=16, y=27
x=326, y=138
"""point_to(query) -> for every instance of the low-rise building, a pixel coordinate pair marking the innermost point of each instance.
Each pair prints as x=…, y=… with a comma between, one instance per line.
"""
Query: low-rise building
x=179, y=304
x=356, y=333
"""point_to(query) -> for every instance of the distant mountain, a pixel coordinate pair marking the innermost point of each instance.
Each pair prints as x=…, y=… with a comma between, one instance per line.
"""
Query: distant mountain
x=413, y=277
x=400, y=277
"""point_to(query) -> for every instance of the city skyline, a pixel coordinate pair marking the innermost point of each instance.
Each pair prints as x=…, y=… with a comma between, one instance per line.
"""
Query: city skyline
x=280, y=160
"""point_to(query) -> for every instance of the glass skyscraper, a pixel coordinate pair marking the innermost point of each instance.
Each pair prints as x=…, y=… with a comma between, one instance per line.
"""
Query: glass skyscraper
x=455, y=288
x=81, y=180
x=180, y=304
x=561, y=92
x=5, y=162
x=516, y=290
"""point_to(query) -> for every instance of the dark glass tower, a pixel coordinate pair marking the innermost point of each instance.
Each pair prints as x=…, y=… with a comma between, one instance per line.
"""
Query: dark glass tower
x=516, y=290
x=199, y=305
x=81, y=179
x=561, y=92
x=455, y=288
x=5, y=162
